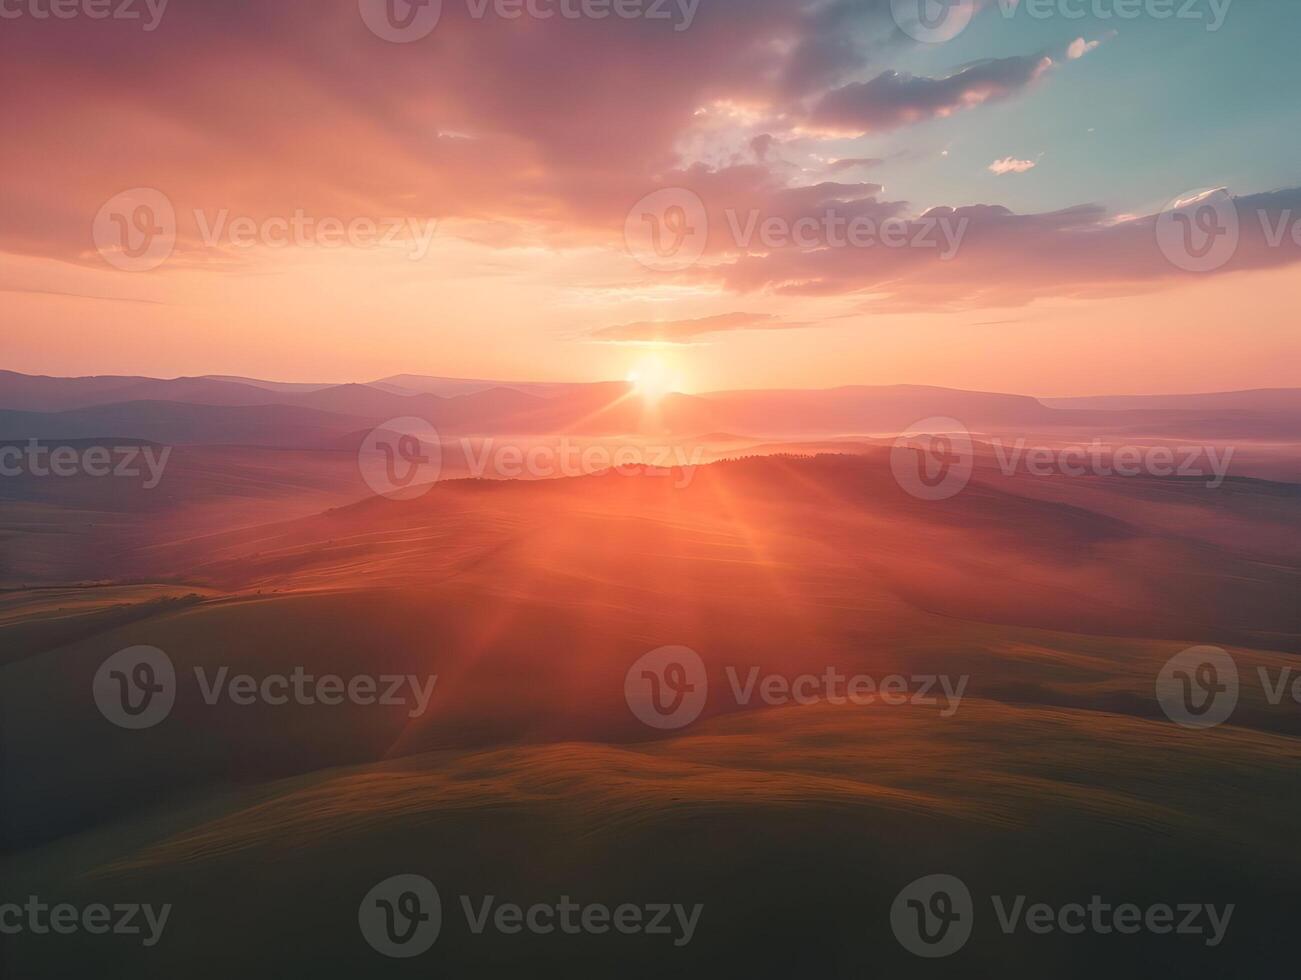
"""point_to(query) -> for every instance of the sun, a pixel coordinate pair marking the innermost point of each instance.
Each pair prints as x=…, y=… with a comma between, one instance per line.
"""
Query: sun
x=652, y=379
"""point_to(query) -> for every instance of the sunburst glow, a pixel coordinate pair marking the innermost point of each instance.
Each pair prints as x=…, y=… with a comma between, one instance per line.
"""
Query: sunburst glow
x=653, y=378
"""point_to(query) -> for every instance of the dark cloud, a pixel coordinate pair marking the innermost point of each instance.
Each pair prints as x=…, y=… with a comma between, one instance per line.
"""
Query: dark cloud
x=893, y=99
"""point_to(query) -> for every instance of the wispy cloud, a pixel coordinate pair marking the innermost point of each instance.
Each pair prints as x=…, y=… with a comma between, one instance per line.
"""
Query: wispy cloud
x=685, y=330
x=1011, y=165
x=849, y=163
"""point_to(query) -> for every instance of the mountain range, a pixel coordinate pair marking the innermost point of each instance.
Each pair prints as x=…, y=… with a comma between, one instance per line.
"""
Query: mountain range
x=224, y=410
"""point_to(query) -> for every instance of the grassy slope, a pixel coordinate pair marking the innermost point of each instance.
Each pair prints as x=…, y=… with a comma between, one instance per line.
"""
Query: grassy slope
x=528, y=779
x=794, y=827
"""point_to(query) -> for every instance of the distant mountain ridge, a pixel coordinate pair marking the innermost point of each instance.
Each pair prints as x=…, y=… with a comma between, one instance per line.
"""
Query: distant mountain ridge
x=1258, y=399
x=411, y=384
x=201, y=410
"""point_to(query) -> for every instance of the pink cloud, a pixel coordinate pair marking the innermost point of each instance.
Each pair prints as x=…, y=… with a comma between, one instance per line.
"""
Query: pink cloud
x=537, y=130
x=1011, y=165
x=1080, y=47
x=1008, y=259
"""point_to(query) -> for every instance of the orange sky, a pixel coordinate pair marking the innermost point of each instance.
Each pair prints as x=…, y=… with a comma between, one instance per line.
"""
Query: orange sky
x=555, y=163
x=347, y=317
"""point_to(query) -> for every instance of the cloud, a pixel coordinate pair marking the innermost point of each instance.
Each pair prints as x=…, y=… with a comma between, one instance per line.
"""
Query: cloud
x=680, y=331
x=512, y=133
x=1011, y=165
x=1008, y=259
x=893, y=99
x=70, y=294
x=1080, y=47
x=562, y=123
x=530, y=133
x=849, y=163
x=761, y=145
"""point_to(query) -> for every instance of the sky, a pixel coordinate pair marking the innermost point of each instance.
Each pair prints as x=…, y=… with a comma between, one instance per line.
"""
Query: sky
x=734, y=193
